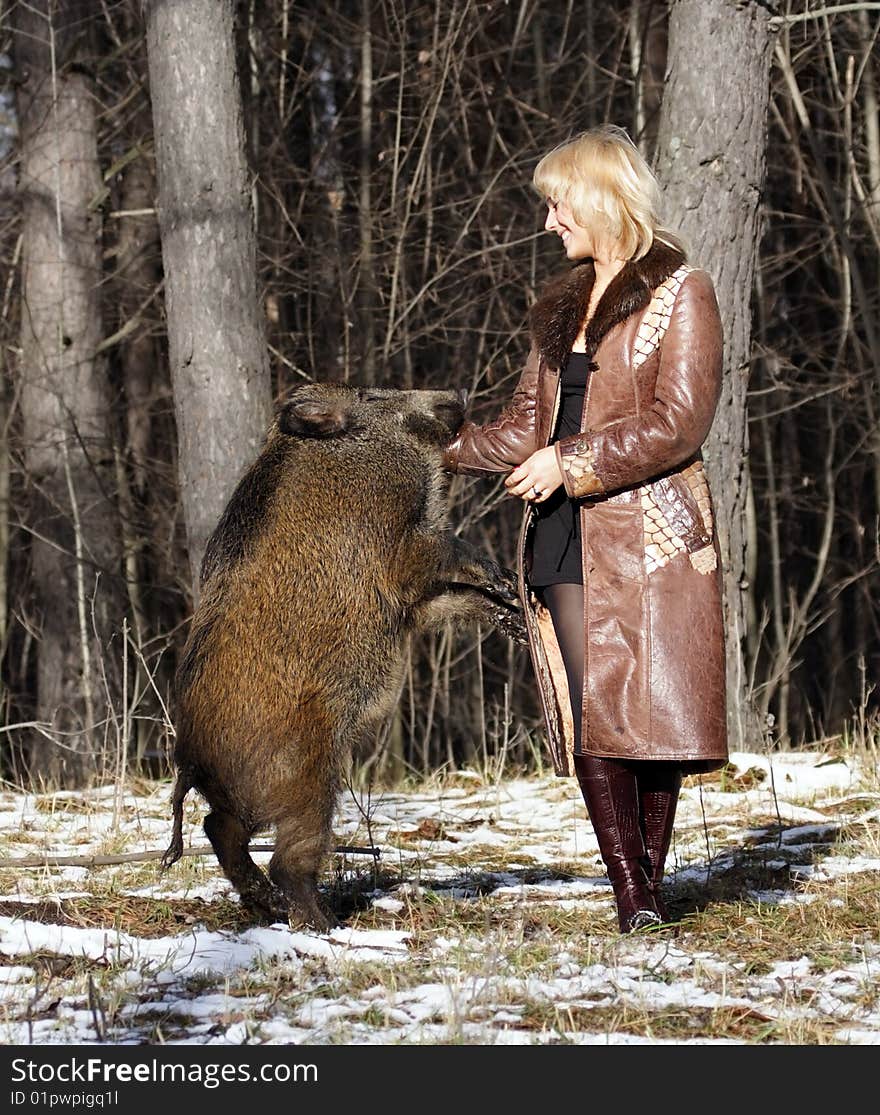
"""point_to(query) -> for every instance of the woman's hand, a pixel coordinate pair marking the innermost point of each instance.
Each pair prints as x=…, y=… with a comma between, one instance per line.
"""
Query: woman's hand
x=536, y=478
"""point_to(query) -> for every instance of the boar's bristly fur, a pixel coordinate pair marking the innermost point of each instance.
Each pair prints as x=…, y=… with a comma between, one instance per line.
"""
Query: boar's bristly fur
x=334, y=548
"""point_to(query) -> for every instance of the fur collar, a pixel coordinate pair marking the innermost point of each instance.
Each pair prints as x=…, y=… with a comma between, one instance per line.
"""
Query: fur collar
x=557, y=316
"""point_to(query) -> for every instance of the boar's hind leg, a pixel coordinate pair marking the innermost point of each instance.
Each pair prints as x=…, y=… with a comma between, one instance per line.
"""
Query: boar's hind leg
x=300, y=843
x=229, y=839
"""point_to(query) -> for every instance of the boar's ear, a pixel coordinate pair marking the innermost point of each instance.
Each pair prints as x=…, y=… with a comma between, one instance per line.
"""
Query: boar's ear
x=314, y=418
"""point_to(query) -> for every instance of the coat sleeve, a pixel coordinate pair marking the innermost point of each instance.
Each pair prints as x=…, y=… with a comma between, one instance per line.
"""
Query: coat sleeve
x=505, y=443
x=641, y=446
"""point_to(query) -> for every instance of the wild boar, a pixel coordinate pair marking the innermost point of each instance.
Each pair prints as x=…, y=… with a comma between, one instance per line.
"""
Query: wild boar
x=334, y=548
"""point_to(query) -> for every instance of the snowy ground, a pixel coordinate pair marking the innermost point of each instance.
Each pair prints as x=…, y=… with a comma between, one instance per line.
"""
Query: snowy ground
x=487, y=920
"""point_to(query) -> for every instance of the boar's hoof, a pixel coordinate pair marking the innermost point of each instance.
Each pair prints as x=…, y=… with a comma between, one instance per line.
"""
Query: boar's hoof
x=265, y=910
x=488, y=576
x=502, y=583
x=317, y=917
x=510, y=623
x=305, y=908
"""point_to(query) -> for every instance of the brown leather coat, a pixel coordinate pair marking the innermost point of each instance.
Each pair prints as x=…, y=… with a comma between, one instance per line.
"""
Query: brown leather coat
x=654, y=683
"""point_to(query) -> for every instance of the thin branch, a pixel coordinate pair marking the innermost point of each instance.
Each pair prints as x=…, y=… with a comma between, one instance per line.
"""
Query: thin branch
x=19, y=862
x=818, y=13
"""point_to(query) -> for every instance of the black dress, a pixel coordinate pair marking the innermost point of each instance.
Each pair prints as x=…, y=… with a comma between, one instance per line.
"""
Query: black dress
x=556, y=538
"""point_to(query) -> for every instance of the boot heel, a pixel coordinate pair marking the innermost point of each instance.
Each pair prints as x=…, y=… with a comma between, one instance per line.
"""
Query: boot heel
x=636, y=904
x=643, y=920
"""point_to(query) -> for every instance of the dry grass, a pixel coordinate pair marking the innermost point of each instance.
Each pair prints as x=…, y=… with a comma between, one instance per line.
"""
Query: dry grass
x=138, y=917
x=499, y=946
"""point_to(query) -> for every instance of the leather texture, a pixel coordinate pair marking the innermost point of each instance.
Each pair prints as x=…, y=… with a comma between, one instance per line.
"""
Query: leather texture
x=575, y=459
x=510, y=439
x=659, y=785
x=610, y=790
x=654, y=685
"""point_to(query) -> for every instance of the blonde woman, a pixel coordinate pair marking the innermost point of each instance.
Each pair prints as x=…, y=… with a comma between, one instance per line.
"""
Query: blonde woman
x=619, y=565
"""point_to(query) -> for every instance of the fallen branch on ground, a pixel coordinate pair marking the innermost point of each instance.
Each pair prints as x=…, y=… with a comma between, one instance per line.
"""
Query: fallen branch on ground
x=143, y=857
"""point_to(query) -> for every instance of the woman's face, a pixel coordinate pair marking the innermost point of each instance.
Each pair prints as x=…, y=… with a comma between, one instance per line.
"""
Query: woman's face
x=577, y=240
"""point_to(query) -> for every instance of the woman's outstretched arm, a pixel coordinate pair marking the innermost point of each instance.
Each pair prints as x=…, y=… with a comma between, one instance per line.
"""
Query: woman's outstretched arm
x=500, y=445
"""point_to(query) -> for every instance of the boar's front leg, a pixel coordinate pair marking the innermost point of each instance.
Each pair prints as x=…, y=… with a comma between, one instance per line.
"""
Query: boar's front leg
x=470, y=567
x=509, y=621
x=474, y=588
x=460, y=603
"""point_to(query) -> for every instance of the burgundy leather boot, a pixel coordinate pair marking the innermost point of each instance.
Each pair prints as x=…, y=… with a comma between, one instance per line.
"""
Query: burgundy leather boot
x=659, y=786
x=611, y=794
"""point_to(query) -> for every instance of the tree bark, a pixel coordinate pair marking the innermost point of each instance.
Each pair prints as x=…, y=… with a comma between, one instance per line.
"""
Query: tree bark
x=67, y=450
x=648, y=21
x=217, y=350
x=710, y=161
x=366, y=275
x=144, y=379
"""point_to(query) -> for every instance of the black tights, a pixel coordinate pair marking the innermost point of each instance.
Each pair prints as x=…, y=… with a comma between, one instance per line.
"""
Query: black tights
x=655, y=783
x=566, y=606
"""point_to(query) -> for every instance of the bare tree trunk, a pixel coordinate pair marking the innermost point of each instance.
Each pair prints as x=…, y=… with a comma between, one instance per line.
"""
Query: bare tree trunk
x=646, y=30
x=869, y=87
x=366, y=278
x=68, y=456
x=145, y=380
x=711, y=160
x=5, y=415
x=217, y=351
x=136, y=282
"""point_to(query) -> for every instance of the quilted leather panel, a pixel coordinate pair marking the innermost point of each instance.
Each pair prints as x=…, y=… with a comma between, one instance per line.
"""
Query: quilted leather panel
x=576, y=459
x=662, y=543
x=657, y=316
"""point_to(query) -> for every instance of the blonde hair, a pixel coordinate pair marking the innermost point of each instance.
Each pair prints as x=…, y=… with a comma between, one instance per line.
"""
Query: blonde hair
x=603, y=178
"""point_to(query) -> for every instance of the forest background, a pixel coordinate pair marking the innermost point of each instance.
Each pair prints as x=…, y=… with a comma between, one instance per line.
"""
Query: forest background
x=206, y=202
